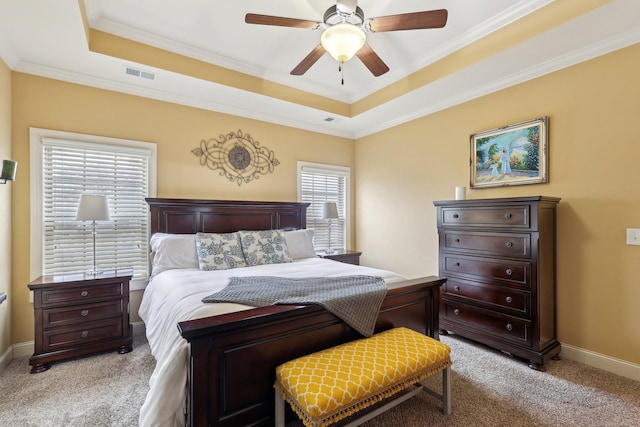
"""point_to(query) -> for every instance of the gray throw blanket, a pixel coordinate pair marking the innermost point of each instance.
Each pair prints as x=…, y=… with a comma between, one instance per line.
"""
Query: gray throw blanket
x=354, y=299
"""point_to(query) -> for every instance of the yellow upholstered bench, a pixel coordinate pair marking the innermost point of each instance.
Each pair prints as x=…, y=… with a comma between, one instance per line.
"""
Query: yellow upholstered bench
x=332, y=384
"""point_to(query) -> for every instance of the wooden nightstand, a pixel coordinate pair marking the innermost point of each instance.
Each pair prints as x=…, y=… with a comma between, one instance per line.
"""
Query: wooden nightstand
x=78, y=314
x=346, y=256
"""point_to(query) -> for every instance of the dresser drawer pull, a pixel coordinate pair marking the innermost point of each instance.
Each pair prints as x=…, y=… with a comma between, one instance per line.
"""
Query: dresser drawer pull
x=509, y=244
x=507, y=215
x=509, y=327
x=457, y=264
x=84, y=313
x=456, y=288
x=456, y=240
x=456, y=216
x=85, y=334
x=456, y=312
x=508, y=299
x=84, y=293
x=509, y=271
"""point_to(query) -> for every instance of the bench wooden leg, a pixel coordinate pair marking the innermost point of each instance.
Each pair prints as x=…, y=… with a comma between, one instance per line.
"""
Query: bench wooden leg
x=279, y=410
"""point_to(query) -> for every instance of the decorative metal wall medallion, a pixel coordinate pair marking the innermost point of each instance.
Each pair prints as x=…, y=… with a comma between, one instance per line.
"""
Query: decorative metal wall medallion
x=239, y=157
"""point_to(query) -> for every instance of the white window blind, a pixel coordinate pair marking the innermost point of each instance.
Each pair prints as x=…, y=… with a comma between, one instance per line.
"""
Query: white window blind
x=318, y=184
x=70, y=169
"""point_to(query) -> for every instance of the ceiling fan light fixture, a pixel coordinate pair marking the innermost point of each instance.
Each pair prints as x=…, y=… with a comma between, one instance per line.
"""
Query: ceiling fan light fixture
x=343, y=41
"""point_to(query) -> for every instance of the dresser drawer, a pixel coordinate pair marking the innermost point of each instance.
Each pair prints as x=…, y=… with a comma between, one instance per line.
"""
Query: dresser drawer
x=506, y=328
x=509, y=272
x=53, y=297
x=507, y=216
x=62, y=316
x=60, y=338
x=515, y=245
x=511, y=301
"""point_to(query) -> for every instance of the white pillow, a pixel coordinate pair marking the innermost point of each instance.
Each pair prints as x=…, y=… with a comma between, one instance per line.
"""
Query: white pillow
x=172, y=251
x=300, y=243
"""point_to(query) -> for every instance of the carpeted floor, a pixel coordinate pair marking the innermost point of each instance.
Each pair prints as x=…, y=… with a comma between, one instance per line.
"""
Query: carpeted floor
x=489, y=389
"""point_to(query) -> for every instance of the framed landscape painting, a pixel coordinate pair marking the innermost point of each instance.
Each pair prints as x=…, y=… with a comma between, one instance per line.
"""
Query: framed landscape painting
x=510, y=155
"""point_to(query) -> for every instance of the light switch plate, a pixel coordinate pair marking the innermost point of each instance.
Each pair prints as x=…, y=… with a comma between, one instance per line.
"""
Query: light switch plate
x=633, y=236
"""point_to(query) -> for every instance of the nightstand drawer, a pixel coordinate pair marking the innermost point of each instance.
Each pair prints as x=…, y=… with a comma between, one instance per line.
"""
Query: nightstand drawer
x=57, y=317
x=506, y=216
x=506, y=328
x=491, y=244
x=89, y=292
x=511, y=273
x=511, y=301
x=59, y=338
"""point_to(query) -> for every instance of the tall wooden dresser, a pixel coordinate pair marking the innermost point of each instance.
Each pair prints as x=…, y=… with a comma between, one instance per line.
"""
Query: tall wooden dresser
x=498, y=256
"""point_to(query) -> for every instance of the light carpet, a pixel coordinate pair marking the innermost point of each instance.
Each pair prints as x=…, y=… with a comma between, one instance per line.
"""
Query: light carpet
x=489, y=389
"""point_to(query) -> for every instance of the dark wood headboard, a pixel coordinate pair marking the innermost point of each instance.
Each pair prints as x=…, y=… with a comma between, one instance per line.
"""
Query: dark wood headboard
x=189, y=216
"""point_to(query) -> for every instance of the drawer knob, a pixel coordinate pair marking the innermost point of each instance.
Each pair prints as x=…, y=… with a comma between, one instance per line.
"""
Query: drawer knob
x=456, y=312
x=456, y=216
x=509, y=244
x=456, y=288
x=84, y=313
x=457, y=264
x=84, y=293
x=509, y=271
x=509, y=327
x=507, y=215
x=509, y=299
x=456, y=240
x=85, y=334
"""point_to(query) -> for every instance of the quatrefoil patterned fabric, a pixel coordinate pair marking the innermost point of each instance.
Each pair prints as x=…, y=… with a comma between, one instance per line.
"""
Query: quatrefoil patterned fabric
x=329, y=385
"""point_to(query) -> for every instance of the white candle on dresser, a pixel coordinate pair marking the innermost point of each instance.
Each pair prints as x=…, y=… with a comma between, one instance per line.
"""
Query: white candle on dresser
x=460, y=193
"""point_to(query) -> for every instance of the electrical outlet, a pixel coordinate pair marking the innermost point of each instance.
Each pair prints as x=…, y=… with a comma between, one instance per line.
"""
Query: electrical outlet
x=633, y=236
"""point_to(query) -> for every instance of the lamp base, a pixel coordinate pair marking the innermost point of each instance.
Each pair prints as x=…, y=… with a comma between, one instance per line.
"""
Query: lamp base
x=94, y=272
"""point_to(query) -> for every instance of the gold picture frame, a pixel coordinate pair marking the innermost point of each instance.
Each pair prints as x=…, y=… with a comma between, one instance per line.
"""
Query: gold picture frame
x=511, y=155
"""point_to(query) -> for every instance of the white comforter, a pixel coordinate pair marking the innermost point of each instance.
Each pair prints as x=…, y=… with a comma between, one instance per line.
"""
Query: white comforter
x=175, y=295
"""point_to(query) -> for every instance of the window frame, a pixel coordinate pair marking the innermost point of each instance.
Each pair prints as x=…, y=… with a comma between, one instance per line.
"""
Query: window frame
x=36, y=137
x=334, y=170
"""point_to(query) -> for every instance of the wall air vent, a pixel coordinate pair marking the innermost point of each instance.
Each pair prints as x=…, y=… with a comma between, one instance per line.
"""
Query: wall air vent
x=139, y=73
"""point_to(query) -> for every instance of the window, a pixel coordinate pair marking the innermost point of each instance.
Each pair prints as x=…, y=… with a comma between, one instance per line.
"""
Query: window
x=63, y=167
x=317, y=184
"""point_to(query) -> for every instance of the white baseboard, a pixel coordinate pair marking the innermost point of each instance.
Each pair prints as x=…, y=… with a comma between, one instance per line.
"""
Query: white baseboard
x=23, y=349
x=601, y=361
x=6, y=358
x=138, y=329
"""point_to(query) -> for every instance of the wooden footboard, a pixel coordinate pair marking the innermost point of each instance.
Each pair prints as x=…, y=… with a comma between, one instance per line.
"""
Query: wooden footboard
x=233, y=357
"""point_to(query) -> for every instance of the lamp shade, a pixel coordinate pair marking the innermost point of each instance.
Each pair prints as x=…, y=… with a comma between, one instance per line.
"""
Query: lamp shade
x=93, y=207
x=343, y=41
x=8, y=170
x=329, y=210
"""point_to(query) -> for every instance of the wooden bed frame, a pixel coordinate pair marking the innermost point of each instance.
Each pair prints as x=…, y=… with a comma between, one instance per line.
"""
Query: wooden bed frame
x=233, y=356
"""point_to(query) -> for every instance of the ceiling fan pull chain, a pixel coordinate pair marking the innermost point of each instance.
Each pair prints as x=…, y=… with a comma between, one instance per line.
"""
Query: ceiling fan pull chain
x=341, y=71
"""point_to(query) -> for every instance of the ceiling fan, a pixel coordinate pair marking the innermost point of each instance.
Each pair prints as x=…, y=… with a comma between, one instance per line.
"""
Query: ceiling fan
x=344, y=29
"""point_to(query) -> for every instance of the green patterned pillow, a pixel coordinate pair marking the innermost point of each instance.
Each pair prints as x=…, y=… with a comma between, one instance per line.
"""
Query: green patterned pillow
x=219, y=251
x=264, y=247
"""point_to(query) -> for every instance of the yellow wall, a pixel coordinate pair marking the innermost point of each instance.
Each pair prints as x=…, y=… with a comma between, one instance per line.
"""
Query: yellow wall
x=51, y=104
x=593, y=109
x=5, y=209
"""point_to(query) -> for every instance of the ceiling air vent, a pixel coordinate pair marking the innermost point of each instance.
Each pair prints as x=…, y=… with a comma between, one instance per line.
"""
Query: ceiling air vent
x=329, y=119
x=139, y=73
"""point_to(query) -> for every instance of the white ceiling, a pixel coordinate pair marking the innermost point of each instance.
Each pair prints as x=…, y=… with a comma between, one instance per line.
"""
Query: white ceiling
x=47, y=38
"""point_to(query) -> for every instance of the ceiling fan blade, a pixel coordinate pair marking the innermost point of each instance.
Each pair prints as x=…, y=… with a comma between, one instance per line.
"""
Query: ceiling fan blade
x=278, y=21
x=372, y=61
x=308, y=61
x=347, y=6
x=410, y=21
